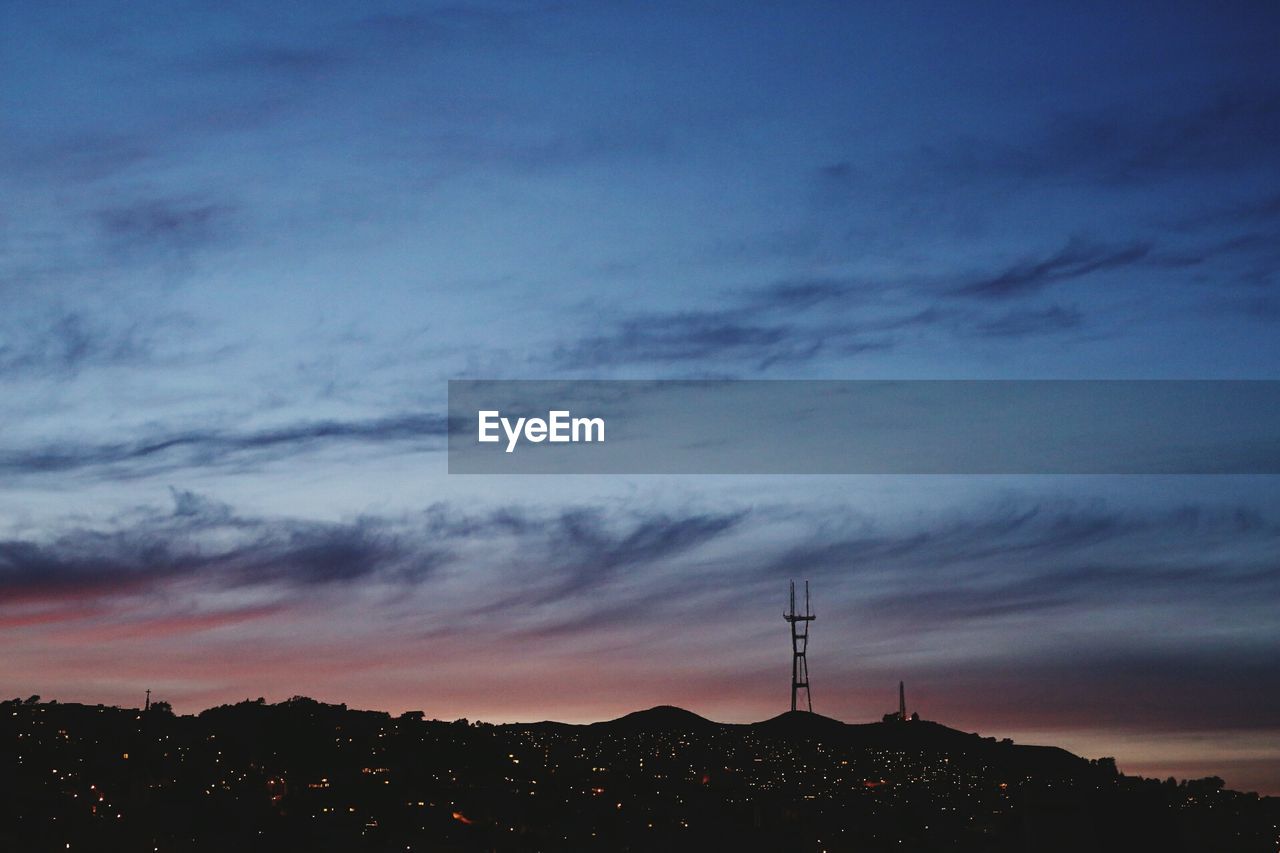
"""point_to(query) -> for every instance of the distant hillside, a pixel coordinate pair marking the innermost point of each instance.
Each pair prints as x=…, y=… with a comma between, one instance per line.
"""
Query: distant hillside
x=663, y=718
x=909, y=736
x=801, y=724
x=307, y=775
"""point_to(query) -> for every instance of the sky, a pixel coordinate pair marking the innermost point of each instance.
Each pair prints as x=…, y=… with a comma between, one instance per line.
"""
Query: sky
x=243, y=247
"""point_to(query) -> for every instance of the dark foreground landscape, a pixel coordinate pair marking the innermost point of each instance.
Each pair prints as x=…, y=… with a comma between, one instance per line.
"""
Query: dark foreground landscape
x=302, y=775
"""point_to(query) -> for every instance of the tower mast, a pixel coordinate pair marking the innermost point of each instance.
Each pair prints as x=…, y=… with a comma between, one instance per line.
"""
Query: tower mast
x=799, y=645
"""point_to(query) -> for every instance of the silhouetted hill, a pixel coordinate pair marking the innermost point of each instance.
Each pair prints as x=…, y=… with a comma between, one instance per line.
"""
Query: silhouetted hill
x=306, y=775
x=801, y=724
x=662, y=718
x=911, y=736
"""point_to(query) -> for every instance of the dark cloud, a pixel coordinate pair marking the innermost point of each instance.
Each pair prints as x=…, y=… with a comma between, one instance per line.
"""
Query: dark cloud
x=1014, y=324
x=203, y=540
x=803, y=294
x=626, y=613
x=595, y=575
x=1025, y=531
x=1250, y=246
x=587, y=550
x=561, y=556
x=1260, y=210
x=792, y=321
x=160, y=224
x=586, y=571
x=211, y=447
x=1237, y=131
x=1083, y=586
x=1017, y=561
x=271, y=60
x=571, y=556
x=1078, y=258
x=691, y=337
x=795, y=321
x=77, y=157
x=67, y=343
x=1231, y=132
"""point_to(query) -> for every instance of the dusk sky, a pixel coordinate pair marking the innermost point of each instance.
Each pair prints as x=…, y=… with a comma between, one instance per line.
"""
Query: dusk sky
x=243, y=247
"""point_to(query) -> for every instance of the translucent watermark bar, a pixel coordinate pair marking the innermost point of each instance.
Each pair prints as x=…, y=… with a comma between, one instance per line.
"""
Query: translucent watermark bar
x=864, y=427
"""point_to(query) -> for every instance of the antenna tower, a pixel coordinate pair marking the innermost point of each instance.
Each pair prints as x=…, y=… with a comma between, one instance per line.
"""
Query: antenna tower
x=799, y=645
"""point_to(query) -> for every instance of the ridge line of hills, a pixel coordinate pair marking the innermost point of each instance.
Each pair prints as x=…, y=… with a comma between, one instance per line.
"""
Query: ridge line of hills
x=917, y=735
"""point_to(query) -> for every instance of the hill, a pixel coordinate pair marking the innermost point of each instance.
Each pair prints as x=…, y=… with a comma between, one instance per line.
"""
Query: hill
x=302, y=774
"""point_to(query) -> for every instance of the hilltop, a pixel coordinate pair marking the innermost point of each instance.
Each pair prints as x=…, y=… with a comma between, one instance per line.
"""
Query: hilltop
x=303, y=774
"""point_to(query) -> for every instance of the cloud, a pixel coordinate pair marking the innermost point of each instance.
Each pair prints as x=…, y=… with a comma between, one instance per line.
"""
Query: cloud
x=1008, y=562
x=1227, y=133
x=154, y=224
x=804, y=294
x=202, y=540
x=69, y=342
x=909, y=596
x=692, y=337
x=565, y=562
x=212, y=447
x=1078, y=258
x=81, y=156
x=180, y=623
x=1077, y=585
x=1259, y=210
x=1014, y=324
x=1236, y=245
x=1134, y=145
x=276, y=60
x=788, y=322
x=586, y=550
x=796, y=321
x=563, y=556
x=1018, y=560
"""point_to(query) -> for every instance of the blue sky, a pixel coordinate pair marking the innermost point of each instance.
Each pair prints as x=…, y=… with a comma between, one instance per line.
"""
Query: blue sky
x=243, y=247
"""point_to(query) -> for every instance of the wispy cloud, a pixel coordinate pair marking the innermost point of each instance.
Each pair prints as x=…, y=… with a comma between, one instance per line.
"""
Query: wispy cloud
x=269, y=60
x=582, y=550
x=1015, y=324
x=797, y=321
x=213, y=447
x=1128, y=146
x=1077, y=259
x=911, y=594
x=562, y=556
x=204, y=541
x=163, y=223
x=66, y=343
x=691, y=337
x=1000, y=564
x=1017, y=559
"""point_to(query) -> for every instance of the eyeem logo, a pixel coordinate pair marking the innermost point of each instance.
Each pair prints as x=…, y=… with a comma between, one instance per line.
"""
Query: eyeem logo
x=558, y=427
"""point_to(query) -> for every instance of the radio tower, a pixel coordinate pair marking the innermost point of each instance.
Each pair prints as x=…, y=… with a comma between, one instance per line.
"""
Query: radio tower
x=799, y=644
